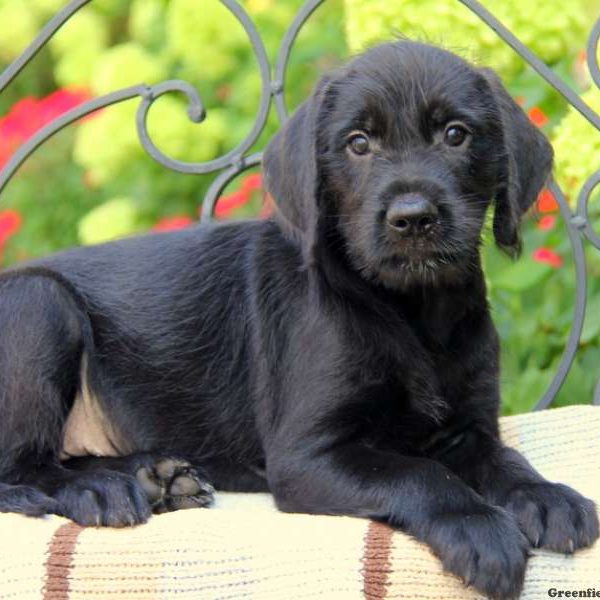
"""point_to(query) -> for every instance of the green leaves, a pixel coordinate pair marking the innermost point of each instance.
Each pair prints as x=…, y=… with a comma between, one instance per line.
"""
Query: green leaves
x=520, y=394
x=522, y=275
x=533, y=306
x=114, y=219
x=552, y=29
x=591, y=325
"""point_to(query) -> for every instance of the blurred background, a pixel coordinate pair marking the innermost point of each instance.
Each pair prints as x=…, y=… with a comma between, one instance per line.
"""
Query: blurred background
x=93, y=181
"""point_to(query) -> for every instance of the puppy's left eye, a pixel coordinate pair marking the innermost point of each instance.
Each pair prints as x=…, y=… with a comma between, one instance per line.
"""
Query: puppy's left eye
x=359, y=144
x=455, y=135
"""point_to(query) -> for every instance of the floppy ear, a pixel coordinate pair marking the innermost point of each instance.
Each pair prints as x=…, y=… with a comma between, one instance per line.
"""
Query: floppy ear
x=526, y=170
x=291, y=170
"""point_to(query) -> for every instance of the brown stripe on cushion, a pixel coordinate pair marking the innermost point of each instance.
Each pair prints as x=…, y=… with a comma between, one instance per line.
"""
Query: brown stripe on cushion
x=60, y=561
x=376, y=560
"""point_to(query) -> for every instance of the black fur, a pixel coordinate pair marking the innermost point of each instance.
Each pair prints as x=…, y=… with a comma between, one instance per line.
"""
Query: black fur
x=322, y=355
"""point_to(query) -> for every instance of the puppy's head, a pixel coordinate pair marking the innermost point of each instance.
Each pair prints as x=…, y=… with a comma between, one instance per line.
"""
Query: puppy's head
x=395, y=159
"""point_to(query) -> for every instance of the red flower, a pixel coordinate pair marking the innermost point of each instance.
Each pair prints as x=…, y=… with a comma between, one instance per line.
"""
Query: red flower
x=546, y=202
x=548, y=257
x=251, y=183
x=29, y=115
x=547, y=222
x=227, y=204
x=5, y=152
x=173, y=223
x=21, y=121
x=10, y=223
x=59, y=102
x=538, y=116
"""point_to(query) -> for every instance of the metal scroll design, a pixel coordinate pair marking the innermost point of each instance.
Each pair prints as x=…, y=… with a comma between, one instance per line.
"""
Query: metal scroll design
x=273, y=81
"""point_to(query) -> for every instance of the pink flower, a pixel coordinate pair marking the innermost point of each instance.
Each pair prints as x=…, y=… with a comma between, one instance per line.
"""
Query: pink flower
x=547, y=222
x=173, y=223
x=548, y=257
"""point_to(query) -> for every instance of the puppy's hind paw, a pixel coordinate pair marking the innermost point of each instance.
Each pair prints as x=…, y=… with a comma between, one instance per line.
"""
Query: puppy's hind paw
x=174, y=484
x=26, y=501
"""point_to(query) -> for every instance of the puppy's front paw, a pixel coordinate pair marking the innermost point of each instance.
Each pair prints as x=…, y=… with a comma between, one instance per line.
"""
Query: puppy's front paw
x=485, y=548
x=554, y=516
x=103, y=497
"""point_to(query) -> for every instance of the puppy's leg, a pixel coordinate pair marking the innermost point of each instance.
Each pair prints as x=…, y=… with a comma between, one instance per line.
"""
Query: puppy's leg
x=475, y=540
x=104, y=497
x=552, y=515
x=42, y=338
x=170, y=483
x=40, y=347
x=25, y=500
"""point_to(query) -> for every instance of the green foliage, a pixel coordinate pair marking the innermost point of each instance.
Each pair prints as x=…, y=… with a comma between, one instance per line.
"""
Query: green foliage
x=112, y=44
x=19, y=27
x=111, y=220
x=579, y=145
x=210, y=41
x=533, y=307
x=89, y=33
x=553, y=29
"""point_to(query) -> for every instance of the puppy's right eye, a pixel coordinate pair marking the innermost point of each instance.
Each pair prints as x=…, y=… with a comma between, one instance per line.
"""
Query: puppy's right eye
x=455, y=134
x=359, y=144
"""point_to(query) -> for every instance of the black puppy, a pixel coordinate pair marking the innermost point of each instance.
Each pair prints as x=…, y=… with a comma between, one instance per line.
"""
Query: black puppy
x=340, y=355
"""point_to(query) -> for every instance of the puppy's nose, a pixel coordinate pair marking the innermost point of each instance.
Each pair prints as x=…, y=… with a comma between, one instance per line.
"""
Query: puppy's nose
x=411, y=214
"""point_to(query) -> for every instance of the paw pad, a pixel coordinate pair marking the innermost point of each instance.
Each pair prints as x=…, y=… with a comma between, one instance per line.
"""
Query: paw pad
x=173, y=484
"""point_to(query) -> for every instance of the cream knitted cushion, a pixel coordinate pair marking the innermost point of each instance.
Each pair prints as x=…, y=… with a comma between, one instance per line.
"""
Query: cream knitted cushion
x=244, y=548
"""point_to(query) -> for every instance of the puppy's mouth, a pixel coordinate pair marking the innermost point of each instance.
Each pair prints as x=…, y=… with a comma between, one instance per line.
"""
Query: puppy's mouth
x=417, y=252
x=403, y=270
x=418, y=261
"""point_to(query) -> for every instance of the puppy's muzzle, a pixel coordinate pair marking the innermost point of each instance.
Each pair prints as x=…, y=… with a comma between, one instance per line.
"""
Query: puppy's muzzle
x=411, y=214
